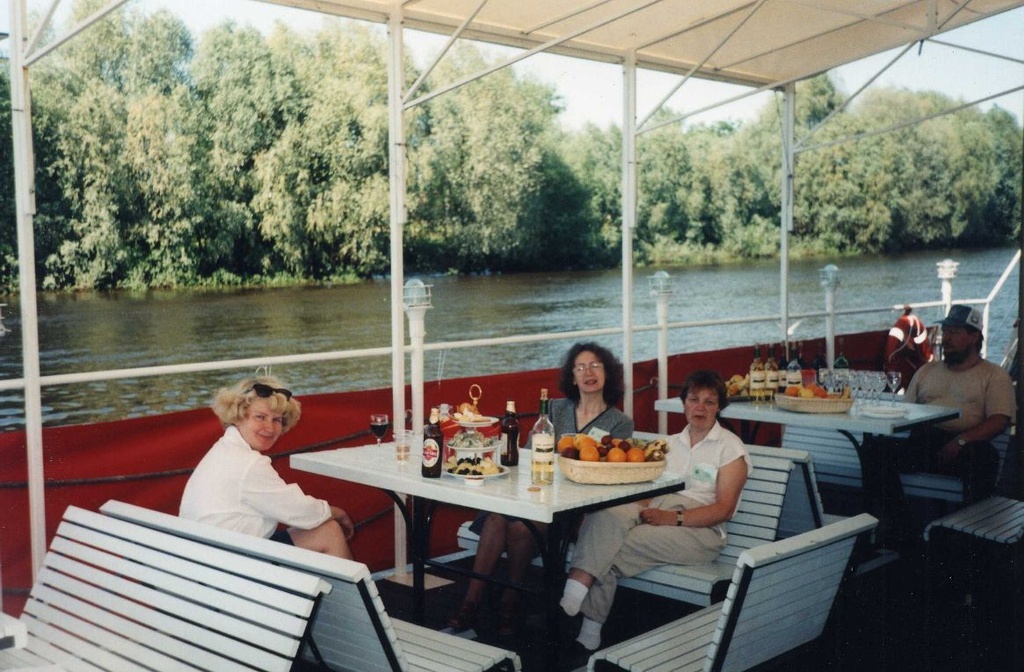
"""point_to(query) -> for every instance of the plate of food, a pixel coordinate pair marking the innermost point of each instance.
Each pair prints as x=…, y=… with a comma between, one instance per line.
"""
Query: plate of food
x=475, y=421
x=473, y=466
x=473, y=442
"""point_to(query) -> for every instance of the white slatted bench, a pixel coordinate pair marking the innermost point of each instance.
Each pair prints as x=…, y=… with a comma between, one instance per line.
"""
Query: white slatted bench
x=113, y=595
x=780, y=597
x=352, y=630
x=999, y=520
x=836, y=463
x=756, y=522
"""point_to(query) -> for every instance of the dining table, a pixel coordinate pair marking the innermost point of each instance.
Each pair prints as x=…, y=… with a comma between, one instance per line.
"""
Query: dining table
x=559, y=505
x=862, y=425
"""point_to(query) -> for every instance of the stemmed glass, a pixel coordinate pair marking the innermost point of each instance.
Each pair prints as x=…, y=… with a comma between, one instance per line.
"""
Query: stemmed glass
x=379, y=425
x=892, y=381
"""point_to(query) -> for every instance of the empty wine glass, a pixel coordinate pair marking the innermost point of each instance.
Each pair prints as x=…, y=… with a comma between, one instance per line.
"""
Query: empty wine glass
x=379, y=425
x=877, y=383
x=893, y=379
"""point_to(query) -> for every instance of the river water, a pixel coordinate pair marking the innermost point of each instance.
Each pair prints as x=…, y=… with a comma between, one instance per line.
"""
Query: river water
x=94, y=331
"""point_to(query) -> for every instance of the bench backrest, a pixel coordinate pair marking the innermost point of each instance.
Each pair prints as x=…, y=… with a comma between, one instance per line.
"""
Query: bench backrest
x=757, y=518
x=352, y=629
x=122, y=596
x=802, y=509
x=837, y=462
x=782, y=593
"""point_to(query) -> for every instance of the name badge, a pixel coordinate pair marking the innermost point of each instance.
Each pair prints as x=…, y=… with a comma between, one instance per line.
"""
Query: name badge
x=597, y=433
x=705, y=473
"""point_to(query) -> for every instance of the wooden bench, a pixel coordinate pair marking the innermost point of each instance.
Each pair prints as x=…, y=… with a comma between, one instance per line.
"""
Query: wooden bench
x=114, y=595
x=352, y=630
x=836, y=463
x=780, y=597
x=769, y=489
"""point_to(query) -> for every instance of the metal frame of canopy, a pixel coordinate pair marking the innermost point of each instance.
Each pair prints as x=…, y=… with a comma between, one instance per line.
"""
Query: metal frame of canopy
x=765, y=44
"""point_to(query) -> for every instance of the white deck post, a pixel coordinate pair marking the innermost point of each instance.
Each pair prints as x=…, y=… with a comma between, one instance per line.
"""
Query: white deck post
x=396, y=169
x=628, y=220
x=788, y=168
x=24, y=188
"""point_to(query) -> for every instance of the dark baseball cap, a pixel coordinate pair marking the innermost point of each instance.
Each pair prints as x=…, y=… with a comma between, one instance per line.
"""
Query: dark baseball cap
x=963, y=316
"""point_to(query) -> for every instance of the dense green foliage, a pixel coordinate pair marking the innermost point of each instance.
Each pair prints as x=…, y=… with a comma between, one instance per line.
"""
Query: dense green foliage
x=243, y=158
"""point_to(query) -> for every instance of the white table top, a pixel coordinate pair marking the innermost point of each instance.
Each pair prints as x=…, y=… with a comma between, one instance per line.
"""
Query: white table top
x=12, y=631
x=851, y=421
x=509, y=494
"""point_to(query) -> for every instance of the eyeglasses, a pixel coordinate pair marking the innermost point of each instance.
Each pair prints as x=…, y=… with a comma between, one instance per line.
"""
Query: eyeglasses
x=265, y=391
x=593, y=366
x=953, y=331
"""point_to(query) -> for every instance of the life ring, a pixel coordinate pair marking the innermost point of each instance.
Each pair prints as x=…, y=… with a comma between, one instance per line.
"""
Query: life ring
x=908, y=346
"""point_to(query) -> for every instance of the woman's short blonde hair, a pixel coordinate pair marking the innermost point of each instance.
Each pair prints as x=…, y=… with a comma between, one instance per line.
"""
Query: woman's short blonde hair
x=231, y=404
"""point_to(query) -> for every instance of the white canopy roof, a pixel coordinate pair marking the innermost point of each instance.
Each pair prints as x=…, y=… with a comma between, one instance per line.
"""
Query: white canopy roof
x=755, y=42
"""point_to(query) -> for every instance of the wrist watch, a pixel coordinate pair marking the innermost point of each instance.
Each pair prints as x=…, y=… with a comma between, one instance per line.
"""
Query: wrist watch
x=960, y=441
x=679, y=519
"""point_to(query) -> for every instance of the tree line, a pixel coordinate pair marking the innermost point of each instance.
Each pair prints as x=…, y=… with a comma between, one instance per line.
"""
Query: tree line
x=167, y=160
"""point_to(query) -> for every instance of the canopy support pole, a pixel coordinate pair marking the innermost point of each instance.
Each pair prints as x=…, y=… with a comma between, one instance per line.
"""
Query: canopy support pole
x=629, y=197
x=396, y=169
x=24, y=188
x=788, y=123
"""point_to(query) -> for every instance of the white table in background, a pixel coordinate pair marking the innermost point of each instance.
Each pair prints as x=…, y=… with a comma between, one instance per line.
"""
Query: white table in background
x=848, y=424
x=559, y=505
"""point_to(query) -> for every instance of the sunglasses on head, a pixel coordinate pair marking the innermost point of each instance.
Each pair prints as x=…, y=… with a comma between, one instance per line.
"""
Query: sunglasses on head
x=265, y=391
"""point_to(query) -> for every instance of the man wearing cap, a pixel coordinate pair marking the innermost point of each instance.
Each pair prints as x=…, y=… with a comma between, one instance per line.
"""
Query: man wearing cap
x=985, y=396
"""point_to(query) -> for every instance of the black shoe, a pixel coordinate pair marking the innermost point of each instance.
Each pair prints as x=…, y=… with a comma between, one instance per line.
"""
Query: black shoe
x=575, y=656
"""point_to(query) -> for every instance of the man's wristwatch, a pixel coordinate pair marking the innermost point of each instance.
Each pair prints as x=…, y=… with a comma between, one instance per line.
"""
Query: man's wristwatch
x=960, y=441
x=679, y=519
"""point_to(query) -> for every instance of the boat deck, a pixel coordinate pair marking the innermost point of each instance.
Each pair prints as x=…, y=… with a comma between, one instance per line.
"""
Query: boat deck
x=885, y=619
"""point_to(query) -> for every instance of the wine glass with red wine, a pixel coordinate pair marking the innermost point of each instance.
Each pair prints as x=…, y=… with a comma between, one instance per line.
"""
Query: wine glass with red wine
x=379, y=425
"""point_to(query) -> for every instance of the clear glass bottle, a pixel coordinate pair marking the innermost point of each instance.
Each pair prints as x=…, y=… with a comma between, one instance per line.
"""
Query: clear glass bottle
x=510, y=436
x=757, y=376
x=542, y=442
x=771, y=374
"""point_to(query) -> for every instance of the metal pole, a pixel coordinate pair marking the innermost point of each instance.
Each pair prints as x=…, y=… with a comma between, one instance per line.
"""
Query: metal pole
x=628, y=220
x=24, y=197
x=396, y=169
x=830, y=281
x=663, y=360
x=788, y=122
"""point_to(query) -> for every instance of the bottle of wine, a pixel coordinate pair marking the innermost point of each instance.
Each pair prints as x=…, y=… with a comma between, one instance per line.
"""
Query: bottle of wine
x=757, y=376
x=783, y=364
x=841, y=361
x=542, y=441
x=510, y=435
x=771, y=373
x=433, y=439
x=794, y=376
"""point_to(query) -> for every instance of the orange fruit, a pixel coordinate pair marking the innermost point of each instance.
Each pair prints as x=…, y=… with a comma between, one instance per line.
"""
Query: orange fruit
x=567, y=441
x=616, y=455
x=820, y=392
x=635, y=454
x=589, y=454
x=586, y=440
x=793, y=391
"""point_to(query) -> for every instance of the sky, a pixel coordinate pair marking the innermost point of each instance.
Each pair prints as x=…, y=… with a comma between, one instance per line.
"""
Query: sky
x=591, y=92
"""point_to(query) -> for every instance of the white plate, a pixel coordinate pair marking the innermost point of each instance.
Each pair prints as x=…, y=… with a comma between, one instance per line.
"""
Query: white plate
x=487, y=421
x=884, y=411
x=501, y=472
x=473, y=449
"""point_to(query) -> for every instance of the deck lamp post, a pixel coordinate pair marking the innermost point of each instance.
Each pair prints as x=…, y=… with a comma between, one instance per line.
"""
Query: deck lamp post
x=829, y=278
x=947, y=272
x=416, y=299
x=661, y=290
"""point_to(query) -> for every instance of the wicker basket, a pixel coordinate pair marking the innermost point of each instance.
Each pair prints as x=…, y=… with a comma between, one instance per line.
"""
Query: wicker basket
x=609, y=473
x=815, y=405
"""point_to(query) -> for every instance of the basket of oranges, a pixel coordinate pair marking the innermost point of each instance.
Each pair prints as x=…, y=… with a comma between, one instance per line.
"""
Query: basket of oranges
x=584, y=459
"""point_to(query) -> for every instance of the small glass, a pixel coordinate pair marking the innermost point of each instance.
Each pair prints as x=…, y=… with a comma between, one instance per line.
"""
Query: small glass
x=379, y=425
x=403, y=445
